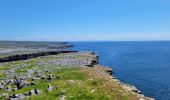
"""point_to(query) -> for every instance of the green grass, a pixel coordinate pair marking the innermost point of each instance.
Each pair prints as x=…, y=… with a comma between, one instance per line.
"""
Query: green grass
x=2, y=75
x=4, y=68
x=74, y=86
x=75, y=83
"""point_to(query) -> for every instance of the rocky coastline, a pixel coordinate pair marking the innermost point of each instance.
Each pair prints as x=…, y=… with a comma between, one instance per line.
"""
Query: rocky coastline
x=21, y=76
x=31, y=55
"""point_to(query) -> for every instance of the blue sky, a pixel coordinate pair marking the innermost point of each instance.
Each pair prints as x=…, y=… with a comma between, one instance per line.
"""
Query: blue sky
x=84, y=20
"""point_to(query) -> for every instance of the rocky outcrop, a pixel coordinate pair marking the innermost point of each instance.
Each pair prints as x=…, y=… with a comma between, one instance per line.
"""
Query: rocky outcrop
x=32, y=55
x=93, y=61
x=68, y=59
x=109, y=70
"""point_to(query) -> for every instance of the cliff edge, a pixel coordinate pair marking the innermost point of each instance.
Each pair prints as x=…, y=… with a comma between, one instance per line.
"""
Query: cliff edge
x=63, y=76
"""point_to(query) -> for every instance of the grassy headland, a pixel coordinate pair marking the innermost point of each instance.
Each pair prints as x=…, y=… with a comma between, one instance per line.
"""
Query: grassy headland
x=70, y=76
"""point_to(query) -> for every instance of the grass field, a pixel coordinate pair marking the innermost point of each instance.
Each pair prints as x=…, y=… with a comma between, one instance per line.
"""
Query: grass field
x=76, y=82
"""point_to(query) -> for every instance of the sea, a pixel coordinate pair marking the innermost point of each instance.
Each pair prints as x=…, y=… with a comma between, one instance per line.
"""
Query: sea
x=144, y=64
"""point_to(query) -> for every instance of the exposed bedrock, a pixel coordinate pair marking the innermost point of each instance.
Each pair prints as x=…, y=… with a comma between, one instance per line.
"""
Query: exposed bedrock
x=31, y=55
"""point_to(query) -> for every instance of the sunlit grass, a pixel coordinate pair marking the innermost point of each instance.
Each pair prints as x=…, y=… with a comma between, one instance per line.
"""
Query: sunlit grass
x=77, y=83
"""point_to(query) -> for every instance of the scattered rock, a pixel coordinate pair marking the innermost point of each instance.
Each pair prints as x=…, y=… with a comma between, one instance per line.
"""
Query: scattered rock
x=62, y=97
x=30, y=72
x=15, y=88
x=33, y=83
x=31, y=92
x=50, y=88
x=34, y=78
x=131, y=88
x=47, y=71
x=50, y=77
x=9, y=81
x=1, y=86
x=6, y=95
x=8, y=89
x=109, y=70
x=59, y=77
x=37, y=91
x=50, y=66
x=20, y=83
x=43, y=77
x=17, y=97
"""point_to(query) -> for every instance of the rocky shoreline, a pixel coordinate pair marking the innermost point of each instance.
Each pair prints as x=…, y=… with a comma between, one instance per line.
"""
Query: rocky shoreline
x=127, y=87
x=132, y=89
x=30, y=73
x=31, y=55
x=11, y=48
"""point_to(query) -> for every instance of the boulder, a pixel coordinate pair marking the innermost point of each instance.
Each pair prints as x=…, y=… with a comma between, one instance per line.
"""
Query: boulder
x=50, y=77
x=20, y=83
x=17, y=97
x=50, y=88
x=31, y=92
x=37, y=91
x=8, y=89
x=33, y=83
x=42, y=77
x=34, y=78
x=9, y=81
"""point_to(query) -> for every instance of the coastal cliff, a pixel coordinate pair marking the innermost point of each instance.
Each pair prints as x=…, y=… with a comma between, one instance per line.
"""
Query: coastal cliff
x=63, y=76
x=31, y=55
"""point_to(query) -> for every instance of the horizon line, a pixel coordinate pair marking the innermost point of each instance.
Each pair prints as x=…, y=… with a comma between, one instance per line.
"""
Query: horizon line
x=82, y=40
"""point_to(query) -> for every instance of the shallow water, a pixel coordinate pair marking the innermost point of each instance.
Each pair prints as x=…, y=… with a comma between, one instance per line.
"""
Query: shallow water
x=145, y=65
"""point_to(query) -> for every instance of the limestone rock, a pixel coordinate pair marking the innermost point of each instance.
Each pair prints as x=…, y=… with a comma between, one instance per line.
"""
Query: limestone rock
x=31, y=92
x=42, y=77
x=34, y=78
x=15, y=88
x=8, y=89
x=20, y=83
x=37, y=91
x=62, y=97
x=50, y=88
x=50, y=77
x=17, y=97
x=1, y=86
x=9, y=81
x=33, y=83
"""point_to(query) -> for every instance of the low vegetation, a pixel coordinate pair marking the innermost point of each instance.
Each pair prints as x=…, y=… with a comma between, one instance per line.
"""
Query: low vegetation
x=60, y=77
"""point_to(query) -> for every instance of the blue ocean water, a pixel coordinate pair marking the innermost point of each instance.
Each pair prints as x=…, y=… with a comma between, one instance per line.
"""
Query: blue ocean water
x=145, y=65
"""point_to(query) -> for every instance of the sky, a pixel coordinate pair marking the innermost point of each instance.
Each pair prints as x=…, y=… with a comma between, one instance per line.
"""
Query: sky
x=84, y=20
